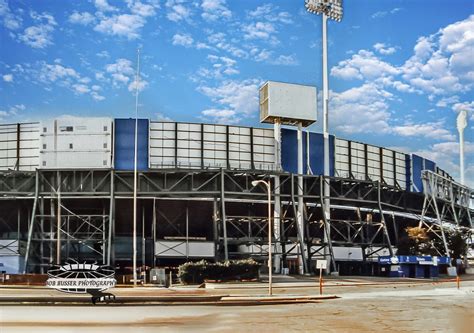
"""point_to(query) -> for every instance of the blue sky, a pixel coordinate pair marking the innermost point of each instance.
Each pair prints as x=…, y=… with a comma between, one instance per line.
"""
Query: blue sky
x=399, y=70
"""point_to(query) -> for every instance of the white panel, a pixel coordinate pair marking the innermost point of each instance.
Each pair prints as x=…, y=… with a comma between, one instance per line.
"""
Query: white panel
x=373, y=149
x=181, y=249
x=356, y=145
x=348, y=253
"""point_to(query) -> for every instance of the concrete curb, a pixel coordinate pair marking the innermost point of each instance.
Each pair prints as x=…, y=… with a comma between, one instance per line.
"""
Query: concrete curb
x=164, y=300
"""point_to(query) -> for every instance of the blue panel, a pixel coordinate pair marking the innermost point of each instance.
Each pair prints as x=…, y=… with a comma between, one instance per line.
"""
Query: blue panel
x=417, y=163
x=316, y=153
x=124, y=149
x=289, y=150
x=408, y=171
x=430, y=165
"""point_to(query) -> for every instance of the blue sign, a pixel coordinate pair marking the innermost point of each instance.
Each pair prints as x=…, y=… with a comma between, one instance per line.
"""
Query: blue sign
x=427, y=260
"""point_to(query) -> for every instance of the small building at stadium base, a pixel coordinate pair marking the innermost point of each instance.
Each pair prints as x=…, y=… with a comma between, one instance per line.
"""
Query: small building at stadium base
x=412, y=266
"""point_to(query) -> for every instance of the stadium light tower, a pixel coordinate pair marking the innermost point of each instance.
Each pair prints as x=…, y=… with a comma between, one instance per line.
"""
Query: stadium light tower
x=135, y=174
x=328, y=9
x=461, y=125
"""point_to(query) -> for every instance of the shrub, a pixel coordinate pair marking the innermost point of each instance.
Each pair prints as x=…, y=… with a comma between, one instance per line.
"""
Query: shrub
x=198, y=272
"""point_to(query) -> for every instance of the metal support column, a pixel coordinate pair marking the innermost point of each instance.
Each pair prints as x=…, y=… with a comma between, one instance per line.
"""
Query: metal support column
x=32, y=221
x=110, y=238
x=277, y=206
x=300, y=218
x=223, y=215
x=327, y=225
x=58, y=231
x=382, y=219
x=299, y=233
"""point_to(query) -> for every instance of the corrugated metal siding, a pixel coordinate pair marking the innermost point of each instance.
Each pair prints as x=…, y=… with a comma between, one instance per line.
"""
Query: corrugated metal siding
x=358, y=160
x=19, y=146
x=401, y=170
x=342, y=158
x=189, y=145
x=124, y=150
x=76, y=143
x=264, y=148
x=373, y=163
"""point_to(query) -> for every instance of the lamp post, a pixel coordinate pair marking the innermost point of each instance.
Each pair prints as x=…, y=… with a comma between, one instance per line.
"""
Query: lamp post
x=331, y=9
x=135, y=174
x=270, y=266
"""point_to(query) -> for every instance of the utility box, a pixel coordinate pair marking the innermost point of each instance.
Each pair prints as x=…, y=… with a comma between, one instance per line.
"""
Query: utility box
x=73, y=142
x=287, y=102
x=158, y=276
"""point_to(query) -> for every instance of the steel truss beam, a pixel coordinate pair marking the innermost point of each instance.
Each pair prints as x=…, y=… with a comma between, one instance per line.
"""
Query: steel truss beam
x=443, y=201
x=447, y=203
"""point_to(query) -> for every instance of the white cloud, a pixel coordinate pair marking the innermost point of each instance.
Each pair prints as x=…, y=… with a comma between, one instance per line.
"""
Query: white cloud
x=12, y=111
x=9, y=20
x=124, y=25
x=84, y=18
x=468, y=106
x=261, y=55
x=162, y=117
x=123, y=74
x=177, y=11
x=142, y=9
x=221, y=66
x=286, y=60
x=237, y=98
x=8, y=77
x=103, y=6
x=271, y=13
x=446, y=156
x=121, y=71
x=103, y=54
x=384, y=49
x=442, y=63
x=361, y=109
x=141, y=84
x=52, y=73
x=81, y=88
x=214, y=10
x=363, y=65
x=219, y=41
x=382, y=14
x=39, y=36
x=447, y=101
x=260, y=30
x=203, y=46
x=220, y=116
x=183, y=39
x=47, y=75
x=432, y=130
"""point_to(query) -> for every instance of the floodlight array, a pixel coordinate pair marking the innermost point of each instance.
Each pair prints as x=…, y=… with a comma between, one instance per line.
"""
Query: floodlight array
x=332, y=8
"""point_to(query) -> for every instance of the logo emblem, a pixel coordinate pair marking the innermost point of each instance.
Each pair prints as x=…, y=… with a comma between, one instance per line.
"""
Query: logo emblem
x=83, y=278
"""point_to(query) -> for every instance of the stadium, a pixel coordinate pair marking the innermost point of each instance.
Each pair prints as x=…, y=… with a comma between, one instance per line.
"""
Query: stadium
x=67, y=191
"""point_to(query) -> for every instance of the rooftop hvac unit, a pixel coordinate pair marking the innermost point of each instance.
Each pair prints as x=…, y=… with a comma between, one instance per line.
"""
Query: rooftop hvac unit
x=289, y=103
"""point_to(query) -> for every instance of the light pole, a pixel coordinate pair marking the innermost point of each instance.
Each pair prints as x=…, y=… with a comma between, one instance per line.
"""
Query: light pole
x=270, y=266
x=135, y=174
x=461, y=123
x=328, y=9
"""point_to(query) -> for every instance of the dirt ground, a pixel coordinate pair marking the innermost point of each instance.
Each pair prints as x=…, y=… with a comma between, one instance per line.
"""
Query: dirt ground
x=378, y=308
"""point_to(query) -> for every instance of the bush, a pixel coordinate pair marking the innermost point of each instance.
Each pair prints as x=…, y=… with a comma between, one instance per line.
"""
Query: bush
x=198, y=272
